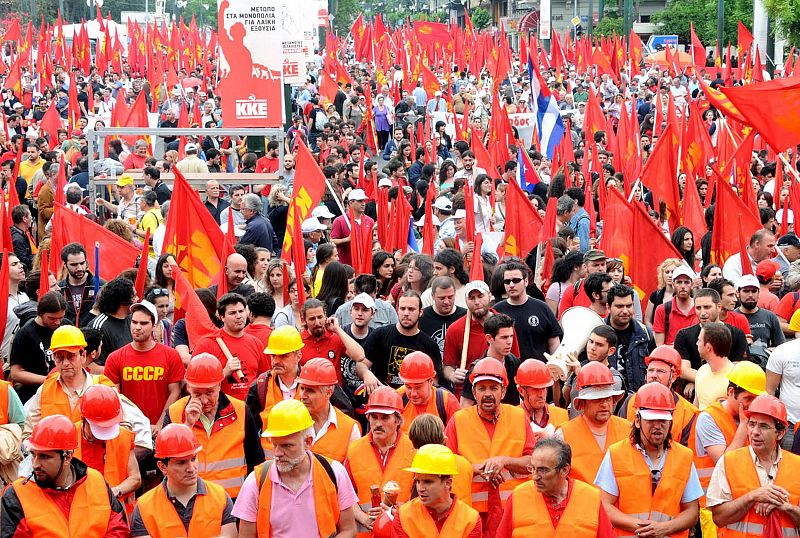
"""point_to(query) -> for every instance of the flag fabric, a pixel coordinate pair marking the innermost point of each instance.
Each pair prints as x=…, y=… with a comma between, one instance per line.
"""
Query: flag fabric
x=527, y=177
x=548, y=117
x=698, y=50
x=649, y=249
x=769, y=107
x=693, y=214
x=44, y=273
x=4, y=291
x=192, y=236
x=51, y=123
x=141, y=273
x=198, y=322
x=730, y=210
x=68, y=227
x=523, y=227
x=660, y=174
x=309, y=185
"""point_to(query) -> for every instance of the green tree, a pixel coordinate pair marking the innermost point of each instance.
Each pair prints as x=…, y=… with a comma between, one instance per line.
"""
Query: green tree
x=786, y=14
x=609, y=26
x=480, y=18
x=675, y=19
x=345, y=12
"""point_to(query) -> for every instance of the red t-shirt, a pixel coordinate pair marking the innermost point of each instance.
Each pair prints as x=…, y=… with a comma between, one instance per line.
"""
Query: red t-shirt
x=135, y=161
x=249, y=351
x=144, y=377
x=260, y=331
x=737, y=320
x=266, y=165
x=768, y=300
x=677, y=321
x=330, y=347
x=786, y=306
x=569, y=299
x=341, y=229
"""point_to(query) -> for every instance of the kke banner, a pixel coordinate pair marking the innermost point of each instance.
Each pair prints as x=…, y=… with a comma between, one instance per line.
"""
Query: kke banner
x=251, y=62
x=299, y=32
x=523, y=122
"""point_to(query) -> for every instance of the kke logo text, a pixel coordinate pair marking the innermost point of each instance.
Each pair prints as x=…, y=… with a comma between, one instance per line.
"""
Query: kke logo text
x=251, y=108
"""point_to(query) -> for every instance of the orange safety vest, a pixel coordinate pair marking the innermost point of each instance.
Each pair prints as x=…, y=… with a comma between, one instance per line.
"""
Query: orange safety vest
x=162, y=521
x=683, y=418
x=418, y=523
x=462, y=482
x=333, y=445
x=411, y=411
x=326, y=500
x=742, y=478
x=558, y=415
x=5, y=386
x=475, y=444
x=366, y=470
x=634, y=482
x=54, y=400
x=222, y=459
x=586, y=453
x=580, y=518
x=705, y=465
x=116, y=456
x=272, y=395
x=88, y=514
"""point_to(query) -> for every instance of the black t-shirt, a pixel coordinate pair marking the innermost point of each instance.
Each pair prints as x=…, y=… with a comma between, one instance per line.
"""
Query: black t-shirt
x=534, y=324
x=623, y=341
x=512, y=395
x=686, y=345
x=351, y=380
x=386, y=348
x=435, y=325
x=116, y=333
x=30, y=349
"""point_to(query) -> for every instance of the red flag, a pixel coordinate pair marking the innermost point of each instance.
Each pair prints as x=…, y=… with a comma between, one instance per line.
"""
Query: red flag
x=51, y=123
x=14, y=32
x=469, y=203
x=141, y=273
x=68, y=226
x=747, y=267
x=198, y=322
x=298, y=251
x=476, y=269
x=745, y=40
x=192, y=235
x=523, y=228
x=757, y=104
x=74, y=111
x=44, y=273
x=730, y=210
x=659, y=174
x=428, y=235
x=617, y=237
x=693, y=214
x=698, y=50
x=309, y=186
x=650, y=248
x=595, y=120
x=4, y=291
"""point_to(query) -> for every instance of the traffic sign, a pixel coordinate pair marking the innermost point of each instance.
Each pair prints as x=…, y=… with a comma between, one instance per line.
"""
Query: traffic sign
x=660, y=42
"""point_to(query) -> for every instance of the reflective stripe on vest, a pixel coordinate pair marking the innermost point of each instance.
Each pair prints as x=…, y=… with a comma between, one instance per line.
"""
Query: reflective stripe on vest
x=88, y=515
x=162, y=521
x=222, y=459
x=743, y=478
x=418, y=523
x=580, y=519
x=54, y=400
x=476, y=446
x=586, y=453
x=633, y=477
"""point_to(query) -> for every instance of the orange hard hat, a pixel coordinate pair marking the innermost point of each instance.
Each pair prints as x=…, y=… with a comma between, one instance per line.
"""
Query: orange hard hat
x=654, y=396
x=55, y=432
x=666, y=354
x=385, y=400
x=176, y=441
x=417, y=367
x=533, y=373
x=204, y=371
x=770, y=406
x=594, y=374
x=491, y=369
x=102, y=410
x=318, y=372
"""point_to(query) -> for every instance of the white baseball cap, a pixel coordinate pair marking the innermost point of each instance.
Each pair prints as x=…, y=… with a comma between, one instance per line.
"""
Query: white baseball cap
x=357, y=194
x=190, y=148
x=312, y=224
x=385, y=182
x=322, y=212
x=443, y=203
x=364, y=299
x=460, y=214
x=683, y=270
x=434, y=219
x=478, y=285
x=748, y=281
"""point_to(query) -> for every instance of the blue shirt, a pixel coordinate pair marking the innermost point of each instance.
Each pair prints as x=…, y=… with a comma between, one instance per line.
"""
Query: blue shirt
x=580, y=224
x=608, y=482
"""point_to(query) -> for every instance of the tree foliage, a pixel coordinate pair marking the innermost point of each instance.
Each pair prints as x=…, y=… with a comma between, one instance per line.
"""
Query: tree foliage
x=480, y=18
x=609, y=26
x=675, y=19
x=786, y=14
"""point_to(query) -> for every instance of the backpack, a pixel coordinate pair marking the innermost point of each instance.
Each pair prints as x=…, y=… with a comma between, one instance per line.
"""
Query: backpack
x=339, y=399
x=440, y=410
x=320, y=119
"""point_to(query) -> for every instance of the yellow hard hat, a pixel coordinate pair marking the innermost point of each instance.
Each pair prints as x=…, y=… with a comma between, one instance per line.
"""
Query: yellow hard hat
x=286, y=418
x=285, y=339
x=794, y=323
x=67, y=337
x=433, y=459
x=749, y=376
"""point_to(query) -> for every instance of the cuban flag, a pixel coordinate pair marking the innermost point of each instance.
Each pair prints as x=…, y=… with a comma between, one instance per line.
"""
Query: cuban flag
x=526, y=174
x=548, y=117
x=413, y=245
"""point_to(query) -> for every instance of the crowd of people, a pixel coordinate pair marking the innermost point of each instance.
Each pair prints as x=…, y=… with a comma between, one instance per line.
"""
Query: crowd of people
x=416, y=396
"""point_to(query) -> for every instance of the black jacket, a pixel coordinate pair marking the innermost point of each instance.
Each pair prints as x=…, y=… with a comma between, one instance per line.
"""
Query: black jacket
x=22, y=247
x=87, y=301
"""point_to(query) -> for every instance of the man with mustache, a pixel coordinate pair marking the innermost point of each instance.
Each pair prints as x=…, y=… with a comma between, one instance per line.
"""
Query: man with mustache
x=203, y=508
x=380, y=456
x=553, y=503
x=650, y=461
x=595, y=429
x=495, y=438
x=298, y=493
x=31, y=506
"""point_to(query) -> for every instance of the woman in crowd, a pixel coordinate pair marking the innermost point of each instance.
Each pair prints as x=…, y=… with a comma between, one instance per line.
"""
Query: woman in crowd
x=326, y=253
x=664, y=291
x=334, y=286
x=683, y=239
x=383, y=264
x=566, y=272
x=274, y=282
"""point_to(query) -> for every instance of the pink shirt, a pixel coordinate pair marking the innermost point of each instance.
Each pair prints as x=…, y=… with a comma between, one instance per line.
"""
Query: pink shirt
x=292, y=514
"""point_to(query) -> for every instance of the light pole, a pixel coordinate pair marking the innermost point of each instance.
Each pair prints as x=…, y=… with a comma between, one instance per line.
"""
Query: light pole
x=721, y=25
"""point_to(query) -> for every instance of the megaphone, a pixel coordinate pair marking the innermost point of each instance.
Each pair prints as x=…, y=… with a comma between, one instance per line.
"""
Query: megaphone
x=578, y=323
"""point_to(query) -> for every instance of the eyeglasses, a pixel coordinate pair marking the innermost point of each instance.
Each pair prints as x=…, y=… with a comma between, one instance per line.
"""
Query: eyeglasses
x=540, y=471
x=515, y=280
x=159, y=292
x=655, y=478
x=759, y=425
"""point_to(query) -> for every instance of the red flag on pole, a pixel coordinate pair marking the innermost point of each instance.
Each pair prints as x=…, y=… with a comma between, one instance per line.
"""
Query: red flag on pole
x=44, y=273
x=141, y=273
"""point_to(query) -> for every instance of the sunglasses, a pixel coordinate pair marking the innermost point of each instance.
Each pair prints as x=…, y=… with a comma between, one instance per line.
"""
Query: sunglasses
x=515, y=280
x=159, y=292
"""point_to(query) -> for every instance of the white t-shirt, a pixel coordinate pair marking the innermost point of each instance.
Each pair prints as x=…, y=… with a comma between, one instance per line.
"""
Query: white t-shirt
x=785, y=361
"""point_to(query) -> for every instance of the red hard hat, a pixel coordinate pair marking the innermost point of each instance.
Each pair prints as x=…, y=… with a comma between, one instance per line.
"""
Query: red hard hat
x=488, y=367
x=417, y=367
x=666, y=354
x=533, y=373
x=100, y=405
x=594, y=374
x=176, y=441
x=770, y=406
x=318, y=372
x=385, y=400
x=654, y=396
x=55, y=432
x=204, y=371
